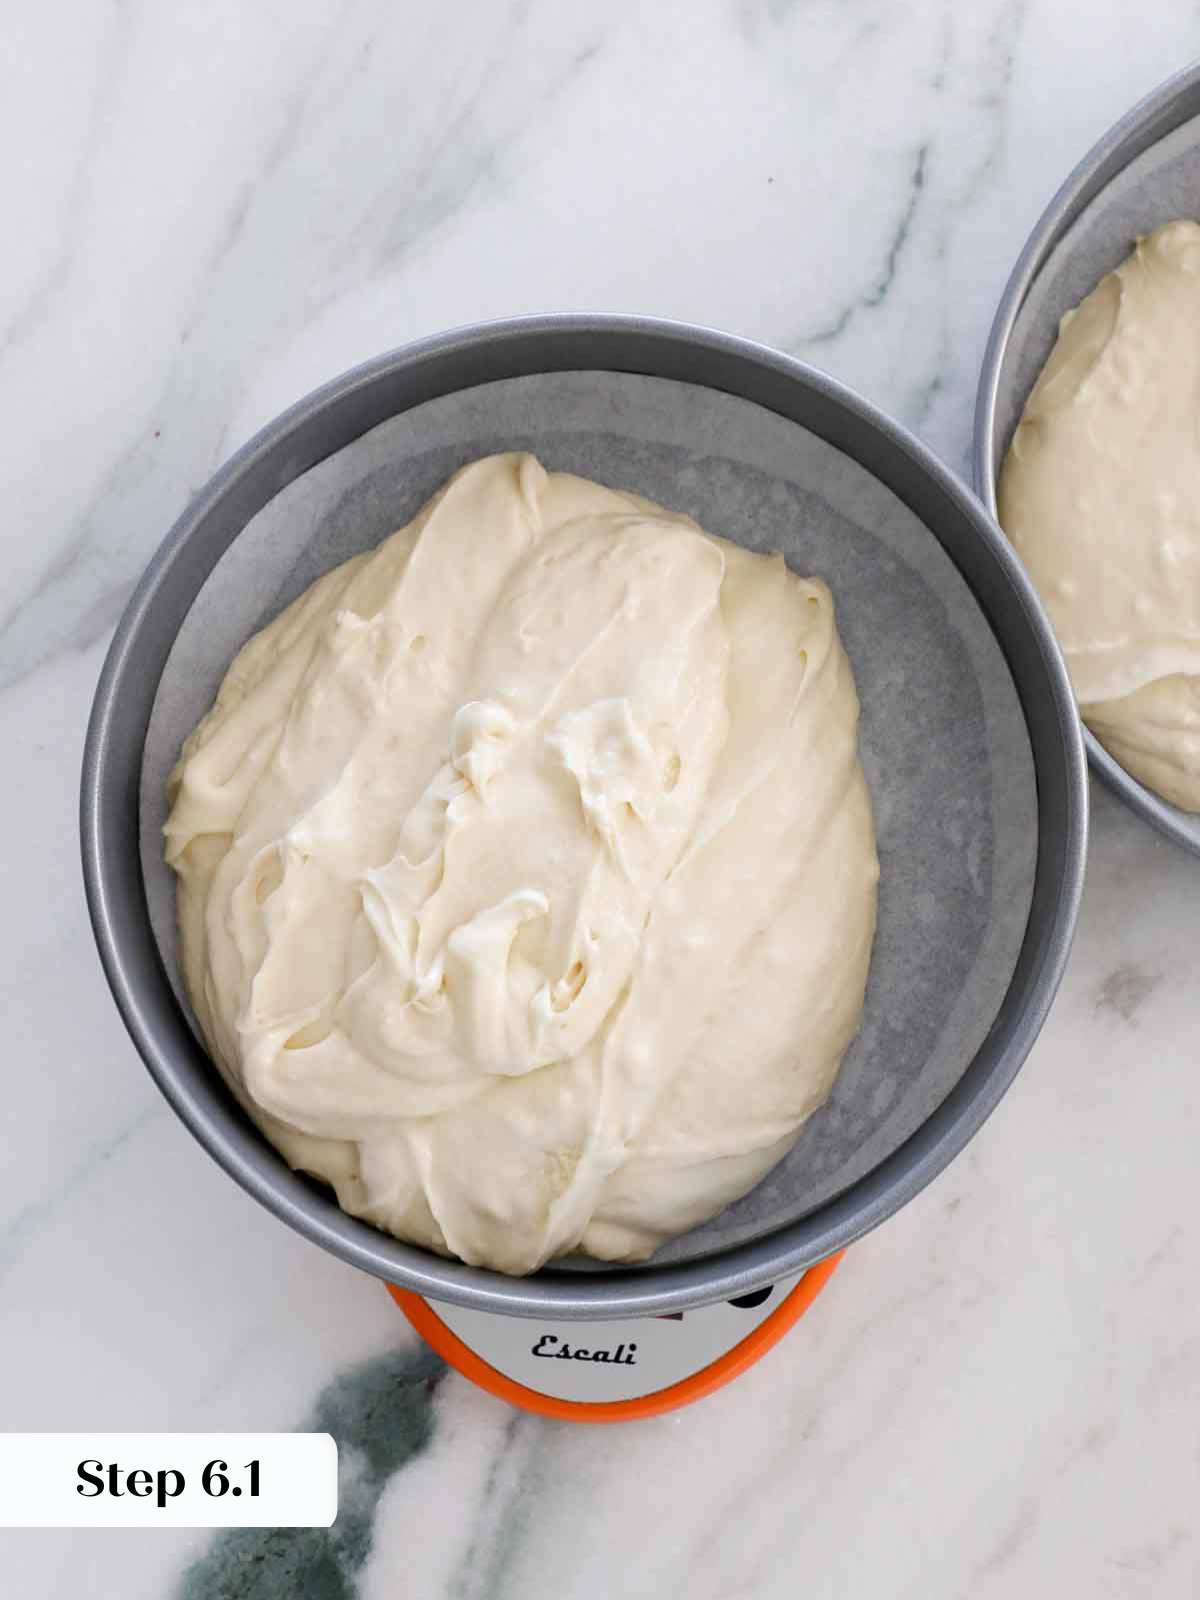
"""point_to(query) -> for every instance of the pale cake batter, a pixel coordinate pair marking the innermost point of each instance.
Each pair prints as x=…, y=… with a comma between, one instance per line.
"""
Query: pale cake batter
x=1100, y=494
x=527, y=871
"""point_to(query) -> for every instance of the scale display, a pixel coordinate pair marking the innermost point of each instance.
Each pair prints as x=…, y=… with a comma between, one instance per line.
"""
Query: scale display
x=616, y=1369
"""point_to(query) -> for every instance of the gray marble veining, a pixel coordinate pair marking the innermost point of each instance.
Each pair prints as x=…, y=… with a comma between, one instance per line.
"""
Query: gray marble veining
x=208, y=211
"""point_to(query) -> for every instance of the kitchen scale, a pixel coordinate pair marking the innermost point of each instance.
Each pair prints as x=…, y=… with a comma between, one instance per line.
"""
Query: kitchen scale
x=617, y=1369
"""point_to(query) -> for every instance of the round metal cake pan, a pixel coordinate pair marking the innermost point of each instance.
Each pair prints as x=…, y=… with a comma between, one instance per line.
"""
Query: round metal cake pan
x=338, y=414
x=1055, y=245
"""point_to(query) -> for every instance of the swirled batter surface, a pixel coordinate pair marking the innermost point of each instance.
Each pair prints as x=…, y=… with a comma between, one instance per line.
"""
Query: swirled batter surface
x=1100, y=494
x=527, y=871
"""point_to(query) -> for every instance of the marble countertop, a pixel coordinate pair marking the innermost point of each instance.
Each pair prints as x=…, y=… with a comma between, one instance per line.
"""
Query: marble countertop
x=209, y=210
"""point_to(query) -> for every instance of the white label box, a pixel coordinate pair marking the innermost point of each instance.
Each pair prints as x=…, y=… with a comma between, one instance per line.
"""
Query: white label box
x=168, y=1480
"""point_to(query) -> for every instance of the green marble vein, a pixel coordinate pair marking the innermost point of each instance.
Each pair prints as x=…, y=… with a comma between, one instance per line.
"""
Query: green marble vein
x=381, y=1414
